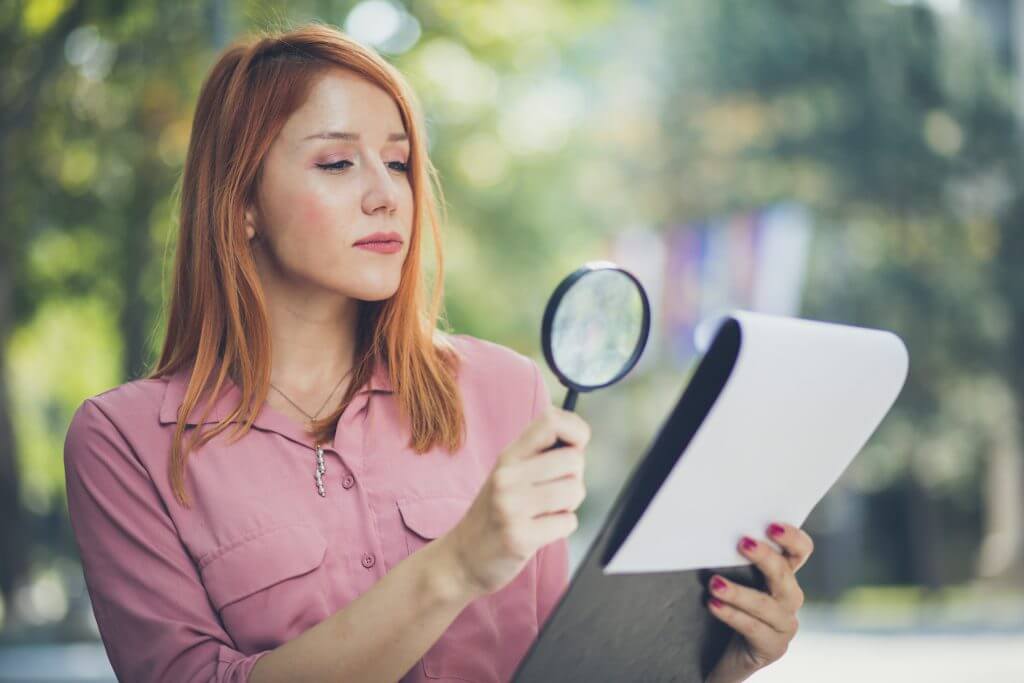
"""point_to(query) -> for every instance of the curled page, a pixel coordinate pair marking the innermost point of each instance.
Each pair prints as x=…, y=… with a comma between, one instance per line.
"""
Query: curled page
x=775, y=412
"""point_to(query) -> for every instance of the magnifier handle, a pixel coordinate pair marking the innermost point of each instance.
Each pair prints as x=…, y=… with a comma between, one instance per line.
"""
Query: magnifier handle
x=570, y=400
x=568, y=404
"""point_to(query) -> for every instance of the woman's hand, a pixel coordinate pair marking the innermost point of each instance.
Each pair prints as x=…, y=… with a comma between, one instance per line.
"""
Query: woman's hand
x=764, y=623
x=528, y=501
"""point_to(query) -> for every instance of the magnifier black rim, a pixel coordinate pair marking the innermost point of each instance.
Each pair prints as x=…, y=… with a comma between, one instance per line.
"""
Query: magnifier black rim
x=549, y=319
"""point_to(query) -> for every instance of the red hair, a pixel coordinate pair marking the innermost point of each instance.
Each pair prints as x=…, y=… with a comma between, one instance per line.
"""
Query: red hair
x=218, y=323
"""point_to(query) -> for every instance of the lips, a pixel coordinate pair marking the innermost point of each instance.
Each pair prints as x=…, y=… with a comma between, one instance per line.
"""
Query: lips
x=380, y=237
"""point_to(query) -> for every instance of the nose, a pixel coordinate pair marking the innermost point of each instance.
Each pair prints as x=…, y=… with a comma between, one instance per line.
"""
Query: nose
x=381, y=195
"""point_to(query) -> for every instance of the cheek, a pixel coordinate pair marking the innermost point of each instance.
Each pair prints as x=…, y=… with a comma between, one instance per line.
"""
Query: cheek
x=312, y=210
x=321, y=219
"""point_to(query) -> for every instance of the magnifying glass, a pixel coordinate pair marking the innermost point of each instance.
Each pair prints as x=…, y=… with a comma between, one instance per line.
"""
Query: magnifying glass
x=595, y=328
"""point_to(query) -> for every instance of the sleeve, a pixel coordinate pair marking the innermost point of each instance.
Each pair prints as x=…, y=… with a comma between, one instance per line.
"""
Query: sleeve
x=552, y=559
x=154, y=616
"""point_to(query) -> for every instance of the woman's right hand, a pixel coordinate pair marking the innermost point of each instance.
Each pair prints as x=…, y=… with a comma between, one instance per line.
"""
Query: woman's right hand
x=528, y=500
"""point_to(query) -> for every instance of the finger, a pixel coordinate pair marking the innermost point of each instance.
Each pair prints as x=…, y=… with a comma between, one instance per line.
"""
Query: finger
x=553, y=464
x=761, y=637
x=558, y=495
x=796, y=544
x=778, y=573
x=555, y=424
x=552, y=527
x=754, y=602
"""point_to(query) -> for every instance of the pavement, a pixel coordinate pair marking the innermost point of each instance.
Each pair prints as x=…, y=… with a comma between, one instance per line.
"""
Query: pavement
x=831, y=646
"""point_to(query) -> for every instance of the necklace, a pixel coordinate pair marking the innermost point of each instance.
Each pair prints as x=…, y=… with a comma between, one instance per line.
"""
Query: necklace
x=321, y=468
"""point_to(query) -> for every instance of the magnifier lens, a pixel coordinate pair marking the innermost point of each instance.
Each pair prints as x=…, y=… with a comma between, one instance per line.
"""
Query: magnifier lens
x=597, y=327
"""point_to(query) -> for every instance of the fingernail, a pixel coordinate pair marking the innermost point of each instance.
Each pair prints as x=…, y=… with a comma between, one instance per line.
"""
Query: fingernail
x=717, y=584
x=776, y=530
x=749, y=543
x=716, y=602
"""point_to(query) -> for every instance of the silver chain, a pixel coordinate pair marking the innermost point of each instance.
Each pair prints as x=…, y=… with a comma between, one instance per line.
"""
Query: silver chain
x=313, y=418
x=321, y=468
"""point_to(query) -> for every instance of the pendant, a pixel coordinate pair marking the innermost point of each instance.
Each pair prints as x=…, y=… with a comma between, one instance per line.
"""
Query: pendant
x=320, y=469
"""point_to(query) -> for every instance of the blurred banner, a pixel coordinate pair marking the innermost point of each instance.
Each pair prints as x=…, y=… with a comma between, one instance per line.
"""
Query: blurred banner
x=696, y=272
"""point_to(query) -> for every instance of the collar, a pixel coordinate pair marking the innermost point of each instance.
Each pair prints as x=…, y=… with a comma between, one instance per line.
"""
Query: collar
x=230, y=396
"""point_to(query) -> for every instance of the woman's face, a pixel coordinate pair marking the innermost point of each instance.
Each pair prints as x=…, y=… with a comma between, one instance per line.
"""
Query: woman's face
x=337, y=173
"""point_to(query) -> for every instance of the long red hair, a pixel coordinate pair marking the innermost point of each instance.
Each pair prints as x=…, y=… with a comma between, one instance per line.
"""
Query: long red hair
x=218, y=323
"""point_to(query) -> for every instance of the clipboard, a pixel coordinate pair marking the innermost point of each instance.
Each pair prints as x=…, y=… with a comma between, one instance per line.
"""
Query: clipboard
x=654, y=625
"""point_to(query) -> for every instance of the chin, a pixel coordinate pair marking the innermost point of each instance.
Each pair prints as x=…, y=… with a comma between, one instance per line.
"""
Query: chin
x=377, y=296
x=366, y=283
x=374, y=291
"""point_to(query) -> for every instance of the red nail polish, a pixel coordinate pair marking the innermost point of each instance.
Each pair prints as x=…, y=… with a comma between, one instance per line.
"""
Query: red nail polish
x=776, y=530
x=716, y=602
x=717, y=584
x=749, y=543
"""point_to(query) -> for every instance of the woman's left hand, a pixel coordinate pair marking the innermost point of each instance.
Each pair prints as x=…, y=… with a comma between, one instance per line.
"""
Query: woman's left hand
x=764, y=622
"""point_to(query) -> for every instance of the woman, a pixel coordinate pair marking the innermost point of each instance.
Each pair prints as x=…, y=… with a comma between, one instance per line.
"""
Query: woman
x=329, y=429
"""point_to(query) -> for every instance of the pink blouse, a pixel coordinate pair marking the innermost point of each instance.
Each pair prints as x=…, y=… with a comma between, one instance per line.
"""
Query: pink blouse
x=201, y=594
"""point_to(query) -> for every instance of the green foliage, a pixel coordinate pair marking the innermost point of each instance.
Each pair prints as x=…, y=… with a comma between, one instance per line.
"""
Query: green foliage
x=554, y=124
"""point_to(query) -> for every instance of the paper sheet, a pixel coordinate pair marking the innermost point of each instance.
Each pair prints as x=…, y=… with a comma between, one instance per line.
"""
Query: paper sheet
x=801, y=402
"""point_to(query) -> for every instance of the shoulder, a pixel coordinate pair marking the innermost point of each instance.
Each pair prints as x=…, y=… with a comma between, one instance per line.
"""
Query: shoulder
x=491, y=361
x=492, y=371
x=138, y=399
x=496, y=360
x=117, y=415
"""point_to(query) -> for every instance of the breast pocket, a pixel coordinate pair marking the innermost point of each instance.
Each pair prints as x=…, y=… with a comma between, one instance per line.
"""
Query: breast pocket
x=267, y=588
x=489, y=637
x=426, y=519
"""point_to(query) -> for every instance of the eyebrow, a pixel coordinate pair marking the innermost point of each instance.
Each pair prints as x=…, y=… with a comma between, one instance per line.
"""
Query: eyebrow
x=341, y=135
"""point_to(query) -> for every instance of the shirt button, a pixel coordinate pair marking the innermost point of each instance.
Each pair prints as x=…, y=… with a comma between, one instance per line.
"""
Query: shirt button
x=348, y=481
x=368, y=560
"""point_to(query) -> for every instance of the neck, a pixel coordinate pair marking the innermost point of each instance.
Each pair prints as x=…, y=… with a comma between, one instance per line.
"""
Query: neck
x=313, y=337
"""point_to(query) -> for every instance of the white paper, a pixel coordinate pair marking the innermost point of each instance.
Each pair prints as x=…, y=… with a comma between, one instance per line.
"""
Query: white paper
x=801, y=402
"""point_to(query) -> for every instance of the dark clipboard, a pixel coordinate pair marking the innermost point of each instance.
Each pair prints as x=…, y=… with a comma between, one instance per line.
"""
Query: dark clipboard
x=643, y=627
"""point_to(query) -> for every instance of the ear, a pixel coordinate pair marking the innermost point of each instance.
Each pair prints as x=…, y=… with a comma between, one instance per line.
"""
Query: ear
x=250, y=223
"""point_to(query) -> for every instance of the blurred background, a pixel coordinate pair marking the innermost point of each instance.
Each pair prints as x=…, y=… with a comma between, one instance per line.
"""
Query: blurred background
x=849, y=161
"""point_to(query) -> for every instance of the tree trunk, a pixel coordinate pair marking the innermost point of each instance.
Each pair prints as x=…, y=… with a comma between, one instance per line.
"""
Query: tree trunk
x=1001, y=559
x=13, y=558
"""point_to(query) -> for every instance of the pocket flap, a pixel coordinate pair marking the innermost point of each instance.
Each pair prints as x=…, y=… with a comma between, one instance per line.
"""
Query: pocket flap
x=259, y=562
x=433, y=517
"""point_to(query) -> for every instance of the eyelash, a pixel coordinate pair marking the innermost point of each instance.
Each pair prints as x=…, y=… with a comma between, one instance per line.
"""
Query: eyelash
x=336, y=166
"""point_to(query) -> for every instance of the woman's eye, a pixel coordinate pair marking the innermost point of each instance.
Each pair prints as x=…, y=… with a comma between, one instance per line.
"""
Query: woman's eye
x=398, y=166
x=337, y=165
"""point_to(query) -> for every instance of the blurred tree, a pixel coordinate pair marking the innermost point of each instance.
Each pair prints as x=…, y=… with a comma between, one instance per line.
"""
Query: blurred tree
x=895, y=126
x=31, y=49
